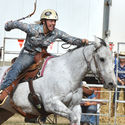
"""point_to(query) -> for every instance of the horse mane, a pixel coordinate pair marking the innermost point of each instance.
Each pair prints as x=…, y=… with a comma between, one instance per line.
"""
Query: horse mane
x=71, y=50
x=77, y=47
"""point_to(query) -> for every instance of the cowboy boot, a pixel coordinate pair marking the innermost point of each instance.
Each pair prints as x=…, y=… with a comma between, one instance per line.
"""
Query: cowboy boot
x=3, y=95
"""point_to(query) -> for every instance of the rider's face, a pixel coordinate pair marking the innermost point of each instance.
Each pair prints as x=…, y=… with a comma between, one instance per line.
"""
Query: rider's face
x=51, y=24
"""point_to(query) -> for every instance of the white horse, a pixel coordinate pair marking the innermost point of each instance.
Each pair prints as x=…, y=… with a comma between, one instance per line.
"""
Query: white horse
x=59, y=89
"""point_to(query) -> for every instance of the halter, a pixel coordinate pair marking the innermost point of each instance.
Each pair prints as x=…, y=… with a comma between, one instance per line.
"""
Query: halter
x=98, y=74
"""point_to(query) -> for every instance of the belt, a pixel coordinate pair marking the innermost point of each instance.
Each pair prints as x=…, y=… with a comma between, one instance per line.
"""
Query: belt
x=43, y=49
x=27, y=50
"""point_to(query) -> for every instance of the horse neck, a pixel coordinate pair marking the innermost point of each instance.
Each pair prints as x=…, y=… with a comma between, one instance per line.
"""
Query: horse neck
x=77, y=63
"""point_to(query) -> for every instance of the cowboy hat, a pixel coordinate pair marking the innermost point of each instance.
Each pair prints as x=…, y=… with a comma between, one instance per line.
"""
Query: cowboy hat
x=122, y=53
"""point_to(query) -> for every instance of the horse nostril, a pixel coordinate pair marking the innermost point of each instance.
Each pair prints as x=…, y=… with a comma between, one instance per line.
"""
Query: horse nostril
x=111, y=84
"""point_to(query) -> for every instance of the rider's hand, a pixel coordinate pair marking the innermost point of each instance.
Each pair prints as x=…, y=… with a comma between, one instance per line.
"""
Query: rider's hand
x=84, y=41
x=122, y=82
x=8, y=25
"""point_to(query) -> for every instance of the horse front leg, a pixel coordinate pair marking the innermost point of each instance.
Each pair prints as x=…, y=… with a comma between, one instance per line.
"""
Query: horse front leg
x=75, y=104
x=5, y=115
x=78, y=111
x=57, y=107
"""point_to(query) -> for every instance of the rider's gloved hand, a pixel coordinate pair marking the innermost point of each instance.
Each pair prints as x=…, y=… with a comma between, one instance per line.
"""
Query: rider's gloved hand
x=85, y=41
x=8, y=26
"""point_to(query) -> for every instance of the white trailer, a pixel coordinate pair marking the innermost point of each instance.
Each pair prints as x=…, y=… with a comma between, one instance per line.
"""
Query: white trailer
x=117, y=24
x=80, y=18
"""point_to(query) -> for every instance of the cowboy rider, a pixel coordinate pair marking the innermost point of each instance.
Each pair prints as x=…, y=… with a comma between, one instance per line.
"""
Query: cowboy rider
x=39, y=36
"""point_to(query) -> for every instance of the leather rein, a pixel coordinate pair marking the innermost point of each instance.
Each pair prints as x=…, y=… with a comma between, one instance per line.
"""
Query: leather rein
x=98, y=75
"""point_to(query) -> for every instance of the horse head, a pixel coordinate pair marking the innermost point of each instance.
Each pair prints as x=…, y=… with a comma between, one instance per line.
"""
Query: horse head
x=102, y=64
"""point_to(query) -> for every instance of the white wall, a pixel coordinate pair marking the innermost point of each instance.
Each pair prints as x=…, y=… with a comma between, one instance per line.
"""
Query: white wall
x=117, y=23
x=80, y=18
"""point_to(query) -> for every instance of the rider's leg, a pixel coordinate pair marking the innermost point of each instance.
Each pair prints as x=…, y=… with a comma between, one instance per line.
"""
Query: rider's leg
x=21, y=63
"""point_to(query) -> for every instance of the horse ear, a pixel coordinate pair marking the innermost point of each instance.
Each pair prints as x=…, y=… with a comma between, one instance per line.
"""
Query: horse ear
x=99, y=42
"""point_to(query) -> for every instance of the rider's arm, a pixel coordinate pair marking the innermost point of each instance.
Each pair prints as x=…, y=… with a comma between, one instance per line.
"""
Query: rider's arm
x=28, y=28
x=68, y=38
x=56, y=34
x=120, y=81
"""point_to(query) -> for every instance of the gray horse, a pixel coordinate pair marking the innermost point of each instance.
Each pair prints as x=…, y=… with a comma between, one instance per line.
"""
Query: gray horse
x=59, y=89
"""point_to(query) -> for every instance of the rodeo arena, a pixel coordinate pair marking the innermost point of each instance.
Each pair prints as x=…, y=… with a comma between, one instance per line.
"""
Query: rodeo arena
x=61, y=79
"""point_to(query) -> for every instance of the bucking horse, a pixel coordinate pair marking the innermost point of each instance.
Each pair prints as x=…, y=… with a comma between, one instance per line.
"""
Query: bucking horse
x=59, y=89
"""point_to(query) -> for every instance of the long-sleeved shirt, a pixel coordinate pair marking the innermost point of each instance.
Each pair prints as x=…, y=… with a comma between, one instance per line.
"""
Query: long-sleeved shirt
x=36, y=39
x=121, y=75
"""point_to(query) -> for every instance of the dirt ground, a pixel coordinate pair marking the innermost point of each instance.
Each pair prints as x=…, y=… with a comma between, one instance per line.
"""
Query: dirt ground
x=104, y=120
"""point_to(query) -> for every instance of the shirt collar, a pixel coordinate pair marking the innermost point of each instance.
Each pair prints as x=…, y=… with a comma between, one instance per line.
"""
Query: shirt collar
x=41, y=30
x=53, y=32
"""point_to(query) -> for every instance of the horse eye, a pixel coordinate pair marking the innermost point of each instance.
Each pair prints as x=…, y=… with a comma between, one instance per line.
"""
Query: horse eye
x=102, y=59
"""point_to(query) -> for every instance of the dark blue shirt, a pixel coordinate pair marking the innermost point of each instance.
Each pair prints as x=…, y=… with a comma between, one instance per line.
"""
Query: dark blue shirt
x=92, y=96
x=121, y=75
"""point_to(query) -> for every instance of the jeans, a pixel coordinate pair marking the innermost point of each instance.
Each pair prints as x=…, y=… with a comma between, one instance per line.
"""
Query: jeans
x=91, y=119
x=22, y=62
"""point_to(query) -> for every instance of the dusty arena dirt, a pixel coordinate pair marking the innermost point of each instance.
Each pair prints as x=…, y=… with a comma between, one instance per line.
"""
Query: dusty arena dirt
x=104, y=120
